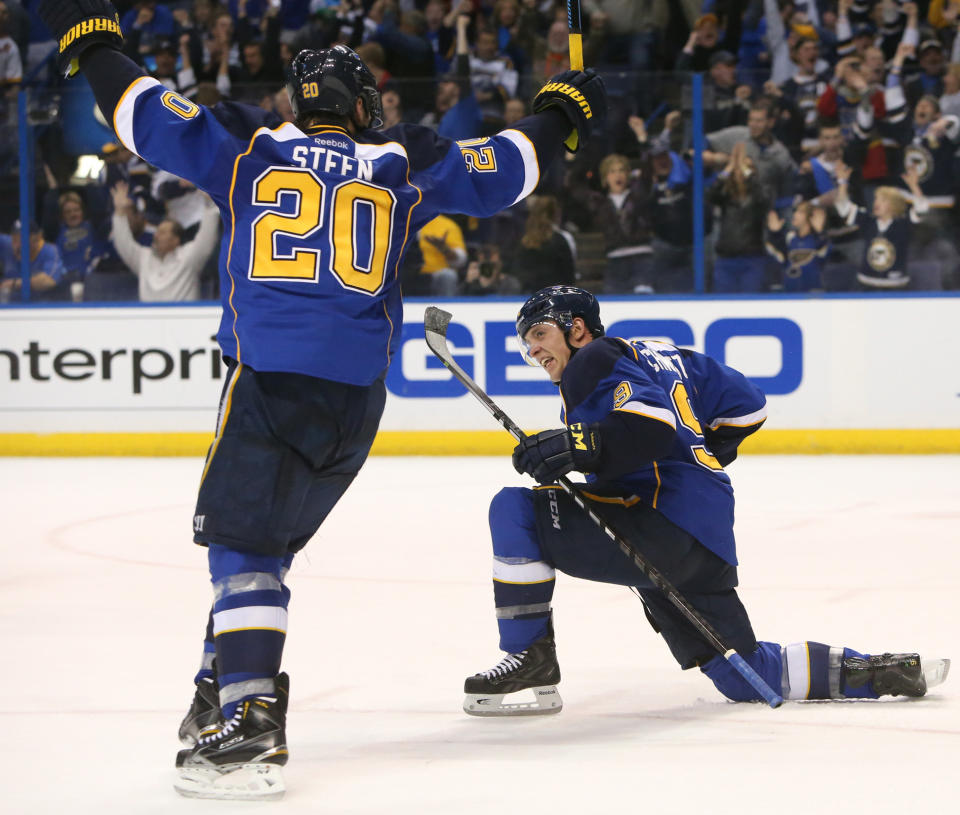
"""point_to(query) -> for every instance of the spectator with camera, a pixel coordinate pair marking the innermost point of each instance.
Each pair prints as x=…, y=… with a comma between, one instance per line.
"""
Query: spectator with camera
x=485, y=275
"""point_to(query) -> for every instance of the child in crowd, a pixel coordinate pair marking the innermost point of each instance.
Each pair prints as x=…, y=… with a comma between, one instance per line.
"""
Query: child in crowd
x=802, y=249
x=887, y=230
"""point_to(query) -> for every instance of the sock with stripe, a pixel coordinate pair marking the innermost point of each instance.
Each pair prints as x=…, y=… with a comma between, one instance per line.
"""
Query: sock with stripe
x=522, y=581
x=248, y=622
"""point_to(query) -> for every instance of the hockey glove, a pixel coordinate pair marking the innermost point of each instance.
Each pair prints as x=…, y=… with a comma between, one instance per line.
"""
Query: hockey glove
x=582, y=97
x=551, y=453
x=78, y=24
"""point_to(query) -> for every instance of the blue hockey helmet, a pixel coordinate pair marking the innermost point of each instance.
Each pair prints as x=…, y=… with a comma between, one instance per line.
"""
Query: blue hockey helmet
x=558, y=304
x=331, y=81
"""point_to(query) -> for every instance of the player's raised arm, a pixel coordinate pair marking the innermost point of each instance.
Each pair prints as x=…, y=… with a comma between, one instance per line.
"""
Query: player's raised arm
x=159, y=125
x=483, y=176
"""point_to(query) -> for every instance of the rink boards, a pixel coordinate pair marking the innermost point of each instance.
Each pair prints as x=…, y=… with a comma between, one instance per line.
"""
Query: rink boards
x=842, y=374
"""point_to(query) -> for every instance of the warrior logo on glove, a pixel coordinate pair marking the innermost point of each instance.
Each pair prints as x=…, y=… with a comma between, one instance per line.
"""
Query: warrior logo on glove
x=572, y=92
x=88, y=27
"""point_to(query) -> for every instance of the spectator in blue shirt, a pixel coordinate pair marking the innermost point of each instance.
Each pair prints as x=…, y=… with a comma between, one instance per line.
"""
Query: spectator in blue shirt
x=46, y=268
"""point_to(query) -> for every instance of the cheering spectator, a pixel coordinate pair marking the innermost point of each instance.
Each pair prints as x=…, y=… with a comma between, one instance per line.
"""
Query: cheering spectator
x=804, y=89
x=671, y=217
x=147, y=21
x=621, y=215
x=440, y=32
x=705, y=39
x=168, y=271
x=929, y=79
x=725, y=102
x=403, y=36
x=816, y=184
x=77, y=240
x=770, y=157
x=493, y=76
x=887, y=231
x=46, y=267
x=801, y=250
x=742, y=203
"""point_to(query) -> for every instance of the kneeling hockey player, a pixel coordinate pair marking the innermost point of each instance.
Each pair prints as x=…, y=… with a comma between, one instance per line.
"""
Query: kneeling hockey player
x=653, y=427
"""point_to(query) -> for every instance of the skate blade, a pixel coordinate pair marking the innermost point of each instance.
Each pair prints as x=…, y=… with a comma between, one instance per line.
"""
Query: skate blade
x=248, y=782
x=935, y=671
x=546, y=699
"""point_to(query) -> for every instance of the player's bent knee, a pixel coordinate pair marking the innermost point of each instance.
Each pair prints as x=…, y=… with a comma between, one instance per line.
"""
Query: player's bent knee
x=513, y=525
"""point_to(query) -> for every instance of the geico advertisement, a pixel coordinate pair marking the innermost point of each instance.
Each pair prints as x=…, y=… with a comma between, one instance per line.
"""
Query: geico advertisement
x=824, y=363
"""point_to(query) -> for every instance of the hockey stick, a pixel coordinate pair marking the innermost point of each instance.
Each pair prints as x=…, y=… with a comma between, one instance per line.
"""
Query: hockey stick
x=435, y=322
x=575, y=37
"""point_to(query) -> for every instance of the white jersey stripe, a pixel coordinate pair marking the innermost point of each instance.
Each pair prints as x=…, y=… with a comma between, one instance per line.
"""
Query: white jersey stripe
x=534, y=572
x=740, y=421
x=531, y=167
x=235, y=619
x=371, y=152
x=650, y=411
x=123, y=115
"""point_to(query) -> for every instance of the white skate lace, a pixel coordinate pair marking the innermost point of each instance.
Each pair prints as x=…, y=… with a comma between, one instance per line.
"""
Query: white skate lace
x=226, y=730
x=511, y=662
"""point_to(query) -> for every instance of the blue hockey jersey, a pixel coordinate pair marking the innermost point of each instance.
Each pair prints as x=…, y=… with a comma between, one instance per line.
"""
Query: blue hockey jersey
x=315, y=223
x=699, y=397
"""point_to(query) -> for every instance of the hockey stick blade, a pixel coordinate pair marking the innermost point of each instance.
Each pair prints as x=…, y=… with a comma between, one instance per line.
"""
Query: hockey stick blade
x=435, y=324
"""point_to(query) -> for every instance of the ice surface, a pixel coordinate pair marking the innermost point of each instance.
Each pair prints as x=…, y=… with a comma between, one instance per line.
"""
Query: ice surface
x=104, y=599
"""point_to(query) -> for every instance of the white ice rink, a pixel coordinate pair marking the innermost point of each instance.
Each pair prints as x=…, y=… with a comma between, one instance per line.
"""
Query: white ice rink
x=104, y=600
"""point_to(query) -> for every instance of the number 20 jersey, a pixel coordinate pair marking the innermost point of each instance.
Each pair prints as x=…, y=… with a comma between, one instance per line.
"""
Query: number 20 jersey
x=694, y=394
x=315, y=223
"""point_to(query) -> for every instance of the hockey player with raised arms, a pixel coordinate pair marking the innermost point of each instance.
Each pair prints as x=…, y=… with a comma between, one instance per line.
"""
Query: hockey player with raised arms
x=316, y=215
x=653, y=427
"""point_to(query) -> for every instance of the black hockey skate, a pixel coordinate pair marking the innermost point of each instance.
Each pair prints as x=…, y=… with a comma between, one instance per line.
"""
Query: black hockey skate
x=204, y=713
x=241, y=758
x=890, y=674
x=535, y=669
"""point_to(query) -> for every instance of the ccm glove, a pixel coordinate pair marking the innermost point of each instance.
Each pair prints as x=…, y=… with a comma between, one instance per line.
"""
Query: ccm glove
x=551, y=453
x=78, y=24
x=582, y=97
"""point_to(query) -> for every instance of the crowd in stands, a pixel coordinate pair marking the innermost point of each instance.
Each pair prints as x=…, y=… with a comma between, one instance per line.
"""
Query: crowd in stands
x=829, y=141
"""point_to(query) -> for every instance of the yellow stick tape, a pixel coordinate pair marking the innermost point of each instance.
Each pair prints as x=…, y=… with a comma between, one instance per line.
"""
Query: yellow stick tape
x=478, y=443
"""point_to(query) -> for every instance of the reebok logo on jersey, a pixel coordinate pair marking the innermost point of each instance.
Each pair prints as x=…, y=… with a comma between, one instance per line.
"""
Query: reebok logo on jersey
x=573, y=93
x=89, y=27
x=340, y=145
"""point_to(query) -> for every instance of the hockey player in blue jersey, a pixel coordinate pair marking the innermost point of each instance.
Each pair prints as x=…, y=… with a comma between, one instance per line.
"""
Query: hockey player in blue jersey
x=653, y=427
x=316, y=215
